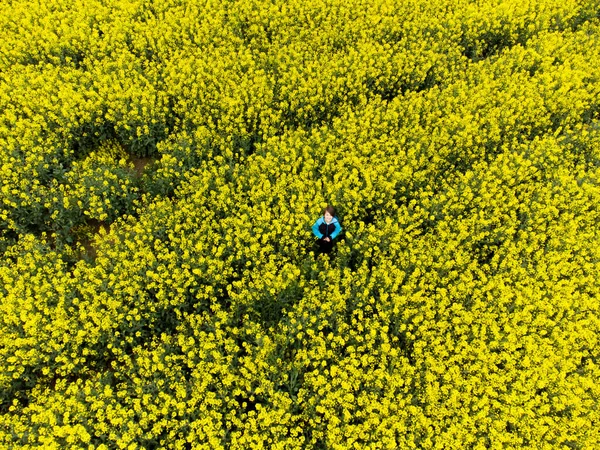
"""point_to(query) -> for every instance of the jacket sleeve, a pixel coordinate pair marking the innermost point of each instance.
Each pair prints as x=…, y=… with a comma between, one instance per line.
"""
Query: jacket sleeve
x=315, y=229
x=337, y=230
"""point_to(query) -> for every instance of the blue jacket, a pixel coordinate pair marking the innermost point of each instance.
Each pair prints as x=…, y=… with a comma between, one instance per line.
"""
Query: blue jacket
x=321, y=229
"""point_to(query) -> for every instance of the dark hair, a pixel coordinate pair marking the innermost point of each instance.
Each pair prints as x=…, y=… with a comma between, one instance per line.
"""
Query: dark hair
x=330, y=210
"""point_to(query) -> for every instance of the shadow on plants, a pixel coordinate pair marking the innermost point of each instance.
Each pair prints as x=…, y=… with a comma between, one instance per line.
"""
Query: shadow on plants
x=245, y=404
x=390, y=91
x=269, y=309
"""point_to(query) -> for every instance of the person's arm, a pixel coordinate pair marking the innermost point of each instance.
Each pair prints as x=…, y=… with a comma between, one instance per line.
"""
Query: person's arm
x=315, y=229
x=337, y=230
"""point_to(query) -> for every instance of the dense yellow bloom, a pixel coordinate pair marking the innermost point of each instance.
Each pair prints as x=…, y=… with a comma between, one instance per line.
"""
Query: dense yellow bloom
x=161, y=164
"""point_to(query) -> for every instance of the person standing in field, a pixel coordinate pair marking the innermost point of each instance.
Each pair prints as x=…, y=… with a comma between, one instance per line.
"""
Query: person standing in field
x=326, y=229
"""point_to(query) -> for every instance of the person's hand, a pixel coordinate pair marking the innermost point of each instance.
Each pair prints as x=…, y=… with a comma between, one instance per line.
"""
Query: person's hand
x=327, y=239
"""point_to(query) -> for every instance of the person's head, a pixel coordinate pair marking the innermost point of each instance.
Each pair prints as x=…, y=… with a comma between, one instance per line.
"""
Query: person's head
x=329, y=213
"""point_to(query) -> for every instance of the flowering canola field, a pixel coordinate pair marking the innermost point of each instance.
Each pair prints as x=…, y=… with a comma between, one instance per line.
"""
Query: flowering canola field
x=162, y=163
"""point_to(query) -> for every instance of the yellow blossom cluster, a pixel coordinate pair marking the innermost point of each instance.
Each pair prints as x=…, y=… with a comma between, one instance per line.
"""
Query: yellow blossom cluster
x=459, y=142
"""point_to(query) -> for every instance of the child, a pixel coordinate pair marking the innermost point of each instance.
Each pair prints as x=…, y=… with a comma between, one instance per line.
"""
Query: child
x=326, y=228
